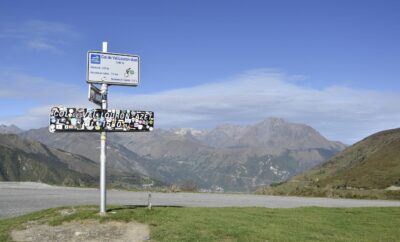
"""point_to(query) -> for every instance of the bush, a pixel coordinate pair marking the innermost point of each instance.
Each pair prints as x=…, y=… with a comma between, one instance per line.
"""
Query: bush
x=189, y=186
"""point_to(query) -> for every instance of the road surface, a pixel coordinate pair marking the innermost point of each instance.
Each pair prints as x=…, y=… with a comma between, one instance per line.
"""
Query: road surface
x=20, y=198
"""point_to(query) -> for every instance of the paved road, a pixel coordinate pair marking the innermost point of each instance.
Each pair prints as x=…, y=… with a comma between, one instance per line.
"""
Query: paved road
x=21, y=198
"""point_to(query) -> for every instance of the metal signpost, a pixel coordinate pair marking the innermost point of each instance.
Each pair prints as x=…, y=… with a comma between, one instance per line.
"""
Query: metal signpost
x=106, y=69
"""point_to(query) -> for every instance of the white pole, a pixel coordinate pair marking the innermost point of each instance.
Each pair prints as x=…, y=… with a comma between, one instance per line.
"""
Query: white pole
x=103, y=148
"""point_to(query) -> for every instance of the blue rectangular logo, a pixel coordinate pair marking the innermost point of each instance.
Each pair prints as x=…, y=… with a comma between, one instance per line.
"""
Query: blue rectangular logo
x=95, y=59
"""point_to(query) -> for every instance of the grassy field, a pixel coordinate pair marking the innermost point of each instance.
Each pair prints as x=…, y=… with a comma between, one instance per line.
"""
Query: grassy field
x=292, y=188
x=237, y=224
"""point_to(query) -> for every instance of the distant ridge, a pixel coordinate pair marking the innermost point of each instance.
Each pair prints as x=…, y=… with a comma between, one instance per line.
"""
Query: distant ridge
x=10, y=129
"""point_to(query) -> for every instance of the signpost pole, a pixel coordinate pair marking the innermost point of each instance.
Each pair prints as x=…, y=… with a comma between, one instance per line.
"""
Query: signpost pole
x=103, y=148
x=106, y=69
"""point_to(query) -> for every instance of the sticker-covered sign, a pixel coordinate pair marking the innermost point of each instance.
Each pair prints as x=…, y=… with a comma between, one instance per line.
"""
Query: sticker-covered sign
x=97, y=120
x=112, y=69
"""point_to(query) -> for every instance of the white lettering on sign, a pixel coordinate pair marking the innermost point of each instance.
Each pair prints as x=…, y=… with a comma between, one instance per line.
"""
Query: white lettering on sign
x=112, y=69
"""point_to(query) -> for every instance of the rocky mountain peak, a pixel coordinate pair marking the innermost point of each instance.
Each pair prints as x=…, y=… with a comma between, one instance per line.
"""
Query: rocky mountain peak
x=10, y=129
x=273, y=121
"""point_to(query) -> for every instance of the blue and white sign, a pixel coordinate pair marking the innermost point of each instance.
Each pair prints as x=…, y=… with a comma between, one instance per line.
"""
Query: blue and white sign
x=94, y=59
x=112, y=69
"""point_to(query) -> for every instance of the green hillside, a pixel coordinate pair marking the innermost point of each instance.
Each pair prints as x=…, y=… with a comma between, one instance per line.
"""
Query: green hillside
x=17, y=165
x=28, y=160
x=369, y=168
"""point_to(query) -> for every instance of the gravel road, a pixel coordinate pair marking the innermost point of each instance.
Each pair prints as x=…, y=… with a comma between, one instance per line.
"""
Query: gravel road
x=17, y=198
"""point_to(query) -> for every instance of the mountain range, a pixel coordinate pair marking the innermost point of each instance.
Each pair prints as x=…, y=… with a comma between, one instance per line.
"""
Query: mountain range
x=233, y=157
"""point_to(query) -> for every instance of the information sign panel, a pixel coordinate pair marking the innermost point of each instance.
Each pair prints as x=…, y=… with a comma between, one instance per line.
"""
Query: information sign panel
x=112, y=69
x=98, y=120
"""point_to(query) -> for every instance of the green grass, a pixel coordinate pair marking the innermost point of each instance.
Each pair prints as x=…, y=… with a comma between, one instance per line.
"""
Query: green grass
x=298, y=189
x=236, y=224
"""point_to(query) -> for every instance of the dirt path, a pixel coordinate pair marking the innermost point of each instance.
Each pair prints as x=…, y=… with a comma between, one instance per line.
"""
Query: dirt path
x=87, y=230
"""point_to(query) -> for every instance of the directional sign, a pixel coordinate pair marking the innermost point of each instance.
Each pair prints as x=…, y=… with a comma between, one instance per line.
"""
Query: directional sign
x=94, y=94
x=112, y=69
x=98, y=120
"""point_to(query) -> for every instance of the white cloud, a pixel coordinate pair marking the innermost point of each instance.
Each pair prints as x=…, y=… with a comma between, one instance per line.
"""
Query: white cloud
x=39, y=35
x=31, y=118
x=339, y=113
x=40, y=44
x=26, y=100
x=33, y=88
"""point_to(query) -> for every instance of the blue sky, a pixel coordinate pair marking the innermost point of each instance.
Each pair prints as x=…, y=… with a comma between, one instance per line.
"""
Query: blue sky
x=333, y=65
